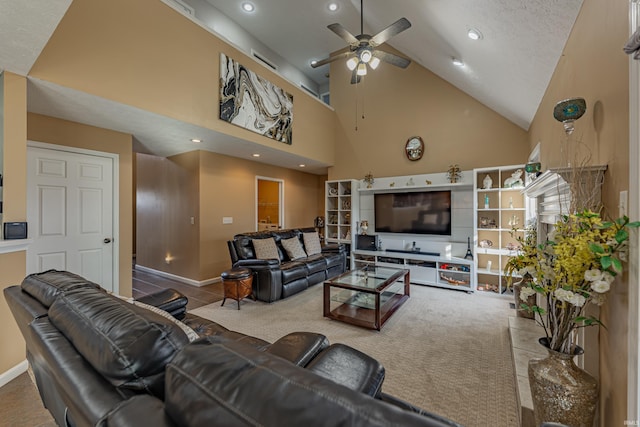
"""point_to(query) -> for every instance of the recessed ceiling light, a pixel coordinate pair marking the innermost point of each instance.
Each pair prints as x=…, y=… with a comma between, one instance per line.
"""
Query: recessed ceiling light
x=196, y=140
x=256, y=155
x=313, y=62
x=474, y=34
x=248, y=7
x=457, y=62
x=332, y=7
x=302, y=165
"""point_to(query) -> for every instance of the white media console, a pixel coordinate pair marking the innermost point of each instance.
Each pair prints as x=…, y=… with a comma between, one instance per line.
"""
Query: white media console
x=425, y=269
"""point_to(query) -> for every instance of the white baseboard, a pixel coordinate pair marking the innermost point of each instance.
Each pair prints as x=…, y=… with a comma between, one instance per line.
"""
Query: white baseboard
x=14, y=372
x=178, y=278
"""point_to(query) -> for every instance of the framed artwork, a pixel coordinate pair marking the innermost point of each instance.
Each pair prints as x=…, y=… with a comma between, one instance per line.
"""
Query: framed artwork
x=252, y=102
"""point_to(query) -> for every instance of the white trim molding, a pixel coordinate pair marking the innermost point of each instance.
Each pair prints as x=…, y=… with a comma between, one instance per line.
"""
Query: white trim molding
x=13, y=373
x=633, y=357
x=17, y=245
x=178, y=278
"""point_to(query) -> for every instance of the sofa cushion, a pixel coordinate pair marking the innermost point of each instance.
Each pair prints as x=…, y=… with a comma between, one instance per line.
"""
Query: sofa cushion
x=312, y=243
x=292, y=270
x=315, y=263
x=293, y=247
x=126, y=344
x=265, y=248
x=237, y=385
x=46, y=286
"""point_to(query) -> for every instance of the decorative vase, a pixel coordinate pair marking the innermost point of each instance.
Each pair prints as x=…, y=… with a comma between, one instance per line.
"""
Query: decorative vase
x=531, y=299
x=561, y=391
x=487, y=182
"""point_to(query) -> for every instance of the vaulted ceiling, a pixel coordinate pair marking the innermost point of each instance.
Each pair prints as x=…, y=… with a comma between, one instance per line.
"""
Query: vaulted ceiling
x=508, y=69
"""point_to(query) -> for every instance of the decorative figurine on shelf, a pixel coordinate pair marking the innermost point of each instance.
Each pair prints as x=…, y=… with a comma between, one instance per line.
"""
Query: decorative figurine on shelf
x=486, y=243
x=453, y=174
x=487, y=182
x=515, y=180
x=486, y=201
x=364, y=226
x=410, y=182
x=368, y=179
x=426, y=181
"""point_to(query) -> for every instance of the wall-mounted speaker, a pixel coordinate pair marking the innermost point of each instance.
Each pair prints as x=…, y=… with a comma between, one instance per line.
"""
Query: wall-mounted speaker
x=15, y=230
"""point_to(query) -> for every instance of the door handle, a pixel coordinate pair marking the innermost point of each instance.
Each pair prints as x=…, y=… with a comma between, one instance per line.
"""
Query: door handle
x=107, y=240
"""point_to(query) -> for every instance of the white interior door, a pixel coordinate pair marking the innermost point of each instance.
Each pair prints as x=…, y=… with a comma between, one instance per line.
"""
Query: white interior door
x=70, y=205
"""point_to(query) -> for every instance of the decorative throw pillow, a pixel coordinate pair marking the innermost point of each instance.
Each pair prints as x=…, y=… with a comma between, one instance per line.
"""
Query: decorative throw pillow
x=190, y=333
x=293, y=248
x=265, y=248
x=312, y=243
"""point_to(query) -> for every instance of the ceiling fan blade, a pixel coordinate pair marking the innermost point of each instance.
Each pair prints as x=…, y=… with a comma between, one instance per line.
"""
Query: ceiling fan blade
x=391, y=58
x=322, y=62
x=396, y=28
x=344, y=34
x=355, y=78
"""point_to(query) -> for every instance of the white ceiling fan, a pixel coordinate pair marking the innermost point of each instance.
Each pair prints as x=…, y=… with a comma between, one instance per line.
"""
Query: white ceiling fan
x=363, y=48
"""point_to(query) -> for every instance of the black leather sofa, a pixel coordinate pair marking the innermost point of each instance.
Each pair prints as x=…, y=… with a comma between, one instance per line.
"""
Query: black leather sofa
x=99, y=360
x=280, y=278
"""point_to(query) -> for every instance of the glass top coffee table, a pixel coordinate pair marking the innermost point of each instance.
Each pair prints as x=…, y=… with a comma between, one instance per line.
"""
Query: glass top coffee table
x=366, y=297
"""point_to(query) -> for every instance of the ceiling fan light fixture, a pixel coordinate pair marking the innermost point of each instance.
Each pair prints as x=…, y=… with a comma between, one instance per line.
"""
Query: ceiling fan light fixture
x=352, y=63
x=374, y=63
x=362, y=69
x=365, y=55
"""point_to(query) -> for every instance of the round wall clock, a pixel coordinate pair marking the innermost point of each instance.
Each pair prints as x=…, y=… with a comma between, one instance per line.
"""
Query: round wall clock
x=414, y=148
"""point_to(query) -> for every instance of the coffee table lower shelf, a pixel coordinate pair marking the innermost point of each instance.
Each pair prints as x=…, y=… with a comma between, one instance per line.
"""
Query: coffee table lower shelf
x=366, y=317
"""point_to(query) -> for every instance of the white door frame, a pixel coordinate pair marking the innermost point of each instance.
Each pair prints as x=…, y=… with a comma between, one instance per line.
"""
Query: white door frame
x=633, y=357
x=115, y=202
x=280, y=199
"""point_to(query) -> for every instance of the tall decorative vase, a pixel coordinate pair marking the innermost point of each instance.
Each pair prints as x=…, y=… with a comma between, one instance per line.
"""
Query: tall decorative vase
x=561, y=391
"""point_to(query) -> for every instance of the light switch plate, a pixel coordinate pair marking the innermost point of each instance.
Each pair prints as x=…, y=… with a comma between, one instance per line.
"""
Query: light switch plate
x=227, y=220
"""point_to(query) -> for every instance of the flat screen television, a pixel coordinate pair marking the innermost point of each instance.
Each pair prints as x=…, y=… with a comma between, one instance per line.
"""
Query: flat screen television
x=422, y=212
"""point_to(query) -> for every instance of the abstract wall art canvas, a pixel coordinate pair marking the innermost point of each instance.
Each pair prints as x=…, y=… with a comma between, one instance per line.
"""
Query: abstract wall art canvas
x=251, y=102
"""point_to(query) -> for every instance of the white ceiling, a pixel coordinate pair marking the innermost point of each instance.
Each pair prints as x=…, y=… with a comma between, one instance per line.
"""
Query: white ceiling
x=508, y=70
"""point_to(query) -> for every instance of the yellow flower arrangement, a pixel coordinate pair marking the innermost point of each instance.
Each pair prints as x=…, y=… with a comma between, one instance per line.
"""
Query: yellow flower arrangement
x=574, y=267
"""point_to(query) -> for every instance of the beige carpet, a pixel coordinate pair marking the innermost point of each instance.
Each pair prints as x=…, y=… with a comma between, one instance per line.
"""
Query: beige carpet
x=445, y=351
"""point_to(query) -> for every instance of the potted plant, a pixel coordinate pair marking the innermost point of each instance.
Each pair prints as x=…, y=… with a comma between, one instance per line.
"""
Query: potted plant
x=575, y=267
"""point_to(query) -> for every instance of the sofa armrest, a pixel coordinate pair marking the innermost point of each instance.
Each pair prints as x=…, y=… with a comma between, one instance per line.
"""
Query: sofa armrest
x=137, y=411
x=258, y=263
x=169, y=300
x=299, y=347
x=333, y=247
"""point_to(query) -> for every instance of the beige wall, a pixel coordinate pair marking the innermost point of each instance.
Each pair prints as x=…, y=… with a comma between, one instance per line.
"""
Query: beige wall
x=398, y=104
x=229, y=189
x=593, y=66
x=208, y=186
x=167, y=197
x=61, y=132
x=13, y=265
x=147, y=55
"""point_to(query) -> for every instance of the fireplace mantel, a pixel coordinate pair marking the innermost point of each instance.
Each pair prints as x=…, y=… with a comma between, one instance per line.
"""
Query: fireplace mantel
x=552, y=189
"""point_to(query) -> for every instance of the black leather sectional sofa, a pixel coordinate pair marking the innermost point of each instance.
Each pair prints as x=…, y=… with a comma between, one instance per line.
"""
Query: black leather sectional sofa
x=280, y=278
x=99, y=360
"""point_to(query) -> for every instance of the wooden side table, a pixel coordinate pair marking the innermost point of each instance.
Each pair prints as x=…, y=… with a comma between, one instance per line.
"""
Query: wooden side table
x=237, y=284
